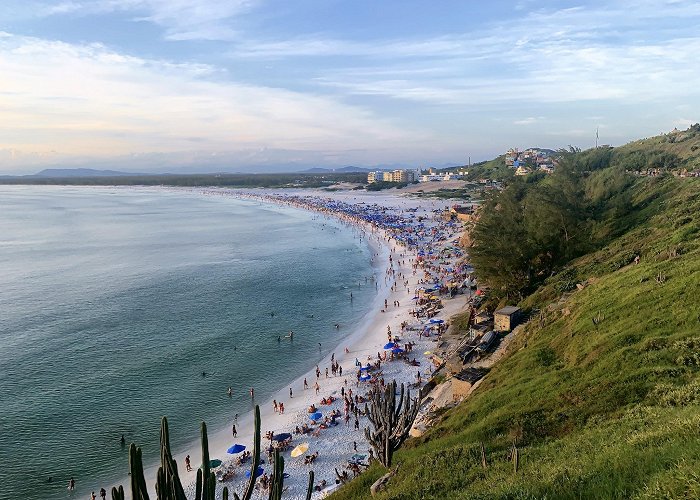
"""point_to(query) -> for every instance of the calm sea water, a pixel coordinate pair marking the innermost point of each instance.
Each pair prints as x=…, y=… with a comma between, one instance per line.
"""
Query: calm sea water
x=114, y=301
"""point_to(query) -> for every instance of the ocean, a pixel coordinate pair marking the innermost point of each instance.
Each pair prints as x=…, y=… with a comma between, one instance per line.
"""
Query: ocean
x=114, y=302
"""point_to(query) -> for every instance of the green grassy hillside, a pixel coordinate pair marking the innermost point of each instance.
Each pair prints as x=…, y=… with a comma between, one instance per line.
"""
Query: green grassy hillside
x=607, y=410
x=678, y=150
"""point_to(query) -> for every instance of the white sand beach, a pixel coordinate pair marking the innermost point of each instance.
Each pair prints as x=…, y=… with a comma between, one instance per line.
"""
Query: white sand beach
x=363, y=342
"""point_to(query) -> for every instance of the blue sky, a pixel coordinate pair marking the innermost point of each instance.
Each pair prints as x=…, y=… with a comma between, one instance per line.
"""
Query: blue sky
x=208, y=85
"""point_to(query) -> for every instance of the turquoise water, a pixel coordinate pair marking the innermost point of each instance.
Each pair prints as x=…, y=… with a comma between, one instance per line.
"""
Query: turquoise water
x=114, y=301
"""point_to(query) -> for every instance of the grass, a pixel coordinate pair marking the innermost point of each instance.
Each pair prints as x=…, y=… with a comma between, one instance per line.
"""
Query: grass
x=606, y=410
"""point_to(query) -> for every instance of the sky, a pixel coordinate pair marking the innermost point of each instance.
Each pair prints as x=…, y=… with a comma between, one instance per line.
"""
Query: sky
x=261, y=85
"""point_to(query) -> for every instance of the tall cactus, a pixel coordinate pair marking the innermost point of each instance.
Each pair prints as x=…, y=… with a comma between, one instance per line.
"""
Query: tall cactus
x=139, y=490
x=250, y=488
x=391, y=421
x=205, y=478
x=277, y=480
x=310, y=487
x=168, y=485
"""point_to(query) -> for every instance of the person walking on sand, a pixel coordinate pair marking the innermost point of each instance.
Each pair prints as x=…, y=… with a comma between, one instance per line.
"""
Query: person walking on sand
x=103, y=493
x=317, y=387
x=188, y=465
x=290, y=393
x=234, y=431
x=306, y=384
x=93, y=496
x=274, y=405
x=281, y=408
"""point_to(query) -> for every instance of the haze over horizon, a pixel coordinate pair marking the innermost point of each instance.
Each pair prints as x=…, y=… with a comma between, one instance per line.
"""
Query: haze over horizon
x=249, y=85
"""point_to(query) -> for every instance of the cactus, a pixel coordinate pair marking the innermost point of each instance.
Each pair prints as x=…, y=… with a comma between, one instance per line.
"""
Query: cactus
x=198, y=485
x=139, y=490
x=277, y=480
x=250, y=488
x=118, y=494
x=515, y=457
x=598, y=319
x=391, y=421
x=206, y=482
x=310, y=487
x=168, y=485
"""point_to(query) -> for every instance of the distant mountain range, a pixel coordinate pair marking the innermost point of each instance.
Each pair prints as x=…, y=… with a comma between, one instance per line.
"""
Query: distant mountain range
x=64, y=173
x=342, y=170
x=81, y=172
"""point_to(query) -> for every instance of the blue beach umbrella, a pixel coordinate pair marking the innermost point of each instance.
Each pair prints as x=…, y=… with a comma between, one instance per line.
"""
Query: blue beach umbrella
x=281, y=437
x=437, y=321
x=397, y=350
x=258, y=472
x=316, y=416
x=365, y=377
x=236, y=448
x=365, y=368
x=390, y=345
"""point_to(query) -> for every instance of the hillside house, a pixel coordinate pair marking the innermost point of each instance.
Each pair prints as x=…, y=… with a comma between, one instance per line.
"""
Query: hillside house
x=506, y=318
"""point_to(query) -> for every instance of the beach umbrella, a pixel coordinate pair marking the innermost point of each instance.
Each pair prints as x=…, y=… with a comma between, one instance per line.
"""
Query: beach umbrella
x=437, y=321
x=236, y=448
x=214, y=463
x=365, y=377
x=365, y=368
x=258, y=472
x=390, y=345
x=397, y=350
x=300, y=450
x=316, y=416
x=281, y=437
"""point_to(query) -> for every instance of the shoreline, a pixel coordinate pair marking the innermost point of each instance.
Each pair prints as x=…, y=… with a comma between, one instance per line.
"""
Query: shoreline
x=364, y=341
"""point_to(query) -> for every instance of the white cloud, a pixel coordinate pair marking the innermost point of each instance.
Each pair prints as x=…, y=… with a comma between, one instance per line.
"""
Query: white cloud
x=627, y=51
x=88, y=101
x=181, y=19
x=530, y=120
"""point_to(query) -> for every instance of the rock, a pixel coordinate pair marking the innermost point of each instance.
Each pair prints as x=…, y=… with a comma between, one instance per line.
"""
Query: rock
x=380, y=483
